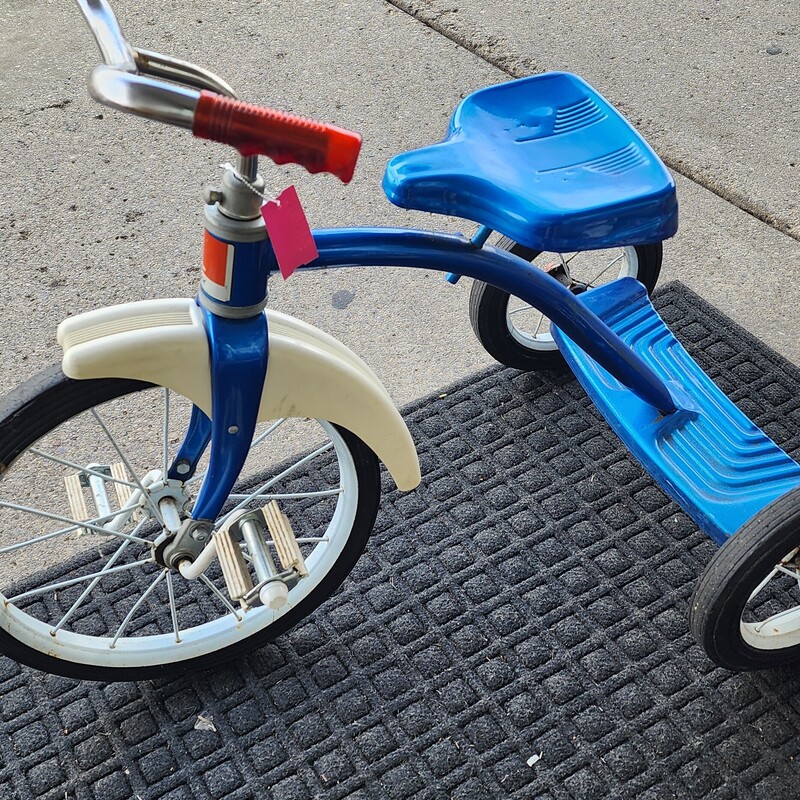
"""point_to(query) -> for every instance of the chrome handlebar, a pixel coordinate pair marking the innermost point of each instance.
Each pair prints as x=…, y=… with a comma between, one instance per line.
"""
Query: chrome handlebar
x=142, y=96
x=166, y=89
x=119, y=83
x=114, y=48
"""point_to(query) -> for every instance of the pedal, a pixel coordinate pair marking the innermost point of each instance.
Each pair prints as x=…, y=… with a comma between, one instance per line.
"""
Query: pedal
x=77, y=502
x=234, y=568
x=76, y=483
x=272, y=589
x=708, y=456
x=280, y=529
x=123, y=492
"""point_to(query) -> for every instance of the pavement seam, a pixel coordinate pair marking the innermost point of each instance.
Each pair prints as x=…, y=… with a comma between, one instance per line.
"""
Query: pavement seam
x=493, y=51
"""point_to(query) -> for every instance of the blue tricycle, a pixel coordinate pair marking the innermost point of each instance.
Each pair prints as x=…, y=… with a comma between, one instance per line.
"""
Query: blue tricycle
x=155, y=516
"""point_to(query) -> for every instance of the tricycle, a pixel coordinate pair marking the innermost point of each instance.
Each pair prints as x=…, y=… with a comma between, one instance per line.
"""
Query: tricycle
x=157, y=465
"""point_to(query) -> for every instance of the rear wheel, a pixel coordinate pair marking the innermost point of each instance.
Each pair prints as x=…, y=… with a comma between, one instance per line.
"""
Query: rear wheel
x=518, y=335
x=83, y=506
x=745, y=610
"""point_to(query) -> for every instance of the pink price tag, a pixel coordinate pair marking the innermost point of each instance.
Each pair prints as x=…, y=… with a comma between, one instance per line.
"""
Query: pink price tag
x=288, y=231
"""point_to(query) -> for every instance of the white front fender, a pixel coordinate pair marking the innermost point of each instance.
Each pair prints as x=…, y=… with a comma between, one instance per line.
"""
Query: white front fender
x=309, y=373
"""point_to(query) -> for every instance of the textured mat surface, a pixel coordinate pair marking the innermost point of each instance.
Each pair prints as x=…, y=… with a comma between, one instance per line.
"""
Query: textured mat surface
x=530, y=598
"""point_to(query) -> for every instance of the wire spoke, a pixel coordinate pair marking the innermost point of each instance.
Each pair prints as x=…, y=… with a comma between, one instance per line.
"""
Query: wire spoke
x=268, y=432
x=606, y=269
x=257, y=441
x=74, y=525
x=760, y=587
x=173, y=609
x=295, y=496
x=301, y=540
x=781, y=568
x=272, y=481
x=787, y=612
x=131, y=471
x=36, y=540
x=88, y=590
x=218, y=594
x=72, y=465
x=792, y=574
x=136, y=606
x=52, y=587
x=526, y=307
x=565, y=265
x=196, y=478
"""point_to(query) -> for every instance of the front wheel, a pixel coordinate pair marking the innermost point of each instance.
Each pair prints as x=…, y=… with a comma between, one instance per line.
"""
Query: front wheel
x=83, y=508
x=745, y=610
x=518, y=335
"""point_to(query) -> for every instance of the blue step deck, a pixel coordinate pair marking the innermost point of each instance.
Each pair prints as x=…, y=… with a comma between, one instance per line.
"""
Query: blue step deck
x=708, y=456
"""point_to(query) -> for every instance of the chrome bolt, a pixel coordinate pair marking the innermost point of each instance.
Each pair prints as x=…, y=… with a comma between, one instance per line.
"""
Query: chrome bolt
x=212, y=195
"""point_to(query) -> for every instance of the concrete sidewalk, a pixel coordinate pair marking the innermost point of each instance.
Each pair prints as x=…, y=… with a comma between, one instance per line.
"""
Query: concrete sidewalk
x=715, y=87
x=100, y=208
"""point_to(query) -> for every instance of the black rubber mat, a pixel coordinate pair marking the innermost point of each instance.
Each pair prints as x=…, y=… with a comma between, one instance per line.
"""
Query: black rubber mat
x=517, y=628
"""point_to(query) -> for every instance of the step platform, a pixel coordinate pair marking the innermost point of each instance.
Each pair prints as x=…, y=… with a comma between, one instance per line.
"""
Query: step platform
x=545, y=160
x=708, y=456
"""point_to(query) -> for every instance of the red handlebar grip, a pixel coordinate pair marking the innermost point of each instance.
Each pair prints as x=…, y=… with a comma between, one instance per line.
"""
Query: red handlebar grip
x=285, y=138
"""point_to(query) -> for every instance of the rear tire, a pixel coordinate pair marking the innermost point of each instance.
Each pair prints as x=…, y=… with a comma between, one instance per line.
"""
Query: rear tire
x=517, y=335
x=753, y=578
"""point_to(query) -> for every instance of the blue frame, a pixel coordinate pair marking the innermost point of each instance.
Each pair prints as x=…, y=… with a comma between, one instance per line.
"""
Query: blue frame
x=238, y=347
x=449, y=253
x=238, y=350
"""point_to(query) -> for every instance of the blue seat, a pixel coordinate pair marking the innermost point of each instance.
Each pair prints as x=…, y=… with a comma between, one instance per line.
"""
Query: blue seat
x=545, y=160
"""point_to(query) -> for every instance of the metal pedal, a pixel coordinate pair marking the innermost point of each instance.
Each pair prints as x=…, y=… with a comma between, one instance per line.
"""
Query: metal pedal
x=273, y=583
x=280, y=529
x=77, y=502
x=234, y=569
x=75, y=484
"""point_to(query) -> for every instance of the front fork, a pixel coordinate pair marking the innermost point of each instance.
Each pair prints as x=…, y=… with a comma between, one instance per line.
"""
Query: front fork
x=232, y=296
x=238, y=350
x=239, y=355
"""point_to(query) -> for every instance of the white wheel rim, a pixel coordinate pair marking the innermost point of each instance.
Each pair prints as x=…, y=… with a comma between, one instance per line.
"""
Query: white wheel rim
x=210, y=636
x=530, y=328
x=780, y=628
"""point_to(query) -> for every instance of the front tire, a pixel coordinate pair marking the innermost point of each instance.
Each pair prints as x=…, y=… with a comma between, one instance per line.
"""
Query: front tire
x=517, y=335
x=745, y=609
x=86, y=599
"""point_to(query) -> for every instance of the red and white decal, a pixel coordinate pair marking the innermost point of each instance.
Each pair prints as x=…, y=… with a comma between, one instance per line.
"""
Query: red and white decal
x=217, y=268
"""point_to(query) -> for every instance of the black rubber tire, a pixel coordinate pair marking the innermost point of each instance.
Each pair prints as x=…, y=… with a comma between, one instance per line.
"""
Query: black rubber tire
x=730, y=578
x=49, y=399
x=488, y=306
